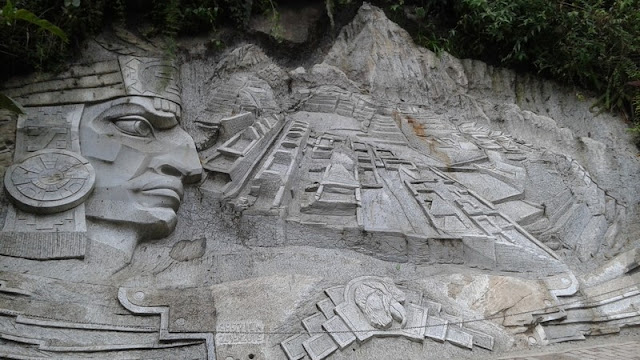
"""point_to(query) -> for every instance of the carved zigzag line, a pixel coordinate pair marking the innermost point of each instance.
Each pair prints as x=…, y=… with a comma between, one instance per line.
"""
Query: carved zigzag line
x=163, y=311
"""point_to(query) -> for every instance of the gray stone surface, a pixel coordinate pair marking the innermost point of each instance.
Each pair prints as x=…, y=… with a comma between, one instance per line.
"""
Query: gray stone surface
x=339, y=331
x=378, y=202
x=293, y=346
x=319, y=346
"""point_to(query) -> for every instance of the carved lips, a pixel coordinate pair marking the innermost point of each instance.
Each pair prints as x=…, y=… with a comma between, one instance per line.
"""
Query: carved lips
x=163, y=193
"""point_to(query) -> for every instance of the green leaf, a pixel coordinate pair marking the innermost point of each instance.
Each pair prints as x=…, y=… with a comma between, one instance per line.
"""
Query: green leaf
x=43, y=24
x=75, y=3
x=8, y=103
x=8, y=12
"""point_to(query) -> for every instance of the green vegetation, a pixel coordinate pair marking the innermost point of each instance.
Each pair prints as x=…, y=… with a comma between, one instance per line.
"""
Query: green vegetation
x=594, y=44
x=9, y=16
x=40, y=34
x=7, y=103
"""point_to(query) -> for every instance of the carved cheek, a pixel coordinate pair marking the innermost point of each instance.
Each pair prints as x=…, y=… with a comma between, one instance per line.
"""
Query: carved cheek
x=127, y=164
x=103, y=149
x=114, y=160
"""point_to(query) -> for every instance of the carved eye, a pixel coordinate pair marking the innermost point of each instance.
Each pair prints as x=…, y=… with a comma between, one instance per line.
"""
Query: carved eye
x=133, y=125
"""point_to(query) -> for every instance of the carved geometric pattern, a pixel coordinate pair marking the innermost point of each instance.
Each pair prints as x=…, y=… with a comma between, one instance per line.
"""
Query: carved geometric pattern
x=163, y=311
x=150, y=77
x=43, y=246
x=351, y=324
x=50, y=181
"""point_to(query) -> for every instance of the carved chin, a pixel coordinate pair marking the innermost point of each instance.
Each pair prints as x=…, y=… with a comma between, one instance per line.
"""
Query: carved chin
x=162, y=223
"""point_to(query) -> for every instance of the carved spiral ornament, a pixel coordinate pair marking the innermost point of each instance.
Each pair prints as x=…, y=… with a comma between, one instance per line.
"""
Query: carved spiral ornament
x=50, y=181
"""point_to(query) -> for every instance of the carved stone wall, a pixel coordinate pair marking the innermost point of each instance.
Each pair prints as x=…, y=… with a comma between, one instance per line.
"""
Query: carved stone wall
x=384, y=202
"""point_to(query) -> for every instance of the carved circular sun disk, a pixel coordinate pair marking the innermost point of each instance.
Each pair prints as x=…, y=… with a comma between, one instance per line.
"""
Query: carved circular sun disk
x=49, y=181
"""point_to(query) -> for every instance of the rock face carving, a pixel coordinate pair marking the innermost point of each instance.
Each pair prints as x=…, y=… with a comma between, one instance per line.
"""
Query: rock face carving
x=374, y=306
x=445, y=176
x=122, y=160
x=371, y=306
x=380, y=303
x=142, y=158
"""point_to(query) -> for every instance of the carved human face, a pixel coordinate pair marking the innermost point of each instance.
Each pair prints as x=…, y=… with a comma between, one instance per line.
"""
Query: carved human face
x=142, y=159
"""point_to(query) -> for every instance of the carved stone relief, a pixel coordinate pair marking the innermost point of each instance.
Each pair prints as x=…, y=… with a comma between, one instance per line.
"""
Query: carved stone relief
x=229, y=207
x=371, y=306
x=120, y=161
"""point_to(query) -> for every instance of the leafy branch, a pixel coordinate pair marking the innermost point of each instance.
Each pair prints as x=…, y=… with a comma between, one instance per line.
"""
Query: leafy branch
x=9, y=14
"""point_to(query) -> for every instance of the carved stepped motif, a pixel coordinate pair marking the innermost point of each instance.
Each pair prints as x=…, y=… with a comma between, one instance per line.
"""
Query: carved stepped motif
x=352, y=181
x=341, y=102
x=386, y=130
x=600, y=309
x=234, y=160
x=350, y=315
x=273, y=180
x=85, y=325
x=490, y=140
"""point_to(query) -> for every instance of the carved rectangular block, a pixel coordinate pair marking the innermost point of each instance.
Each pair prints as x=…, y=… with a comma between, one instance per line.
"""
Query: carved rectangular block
x=416, y=321
x=292, y=346
x=320, y=153
x=336, y=294
x=236, y=123
x=555, y=334
x=43, y=246
x=418, y=249
x=452, y=319
x=326, y=306
x=434, y=307
x=413, y=297
x=481, y=339
x=319, y=346
x=479, y=251
x=313, y=323
x=436, y=328
x=353, y=317
x=458, y=336
x=339, y=331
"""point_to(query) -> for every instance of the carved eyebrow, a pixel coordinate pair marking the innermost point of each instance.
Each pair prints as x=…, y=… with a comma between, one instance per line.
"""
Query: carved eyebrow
x=159, y=119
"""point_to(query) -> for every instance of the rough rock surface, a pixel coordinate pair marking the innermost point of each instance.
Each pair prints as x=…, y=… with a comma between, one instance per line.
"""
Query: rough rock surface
x=382, y=203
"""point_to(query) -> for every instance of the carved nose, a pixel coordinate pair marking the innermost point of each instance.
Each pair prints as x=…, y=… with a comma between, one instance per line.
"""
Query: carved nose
x=181, y=162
